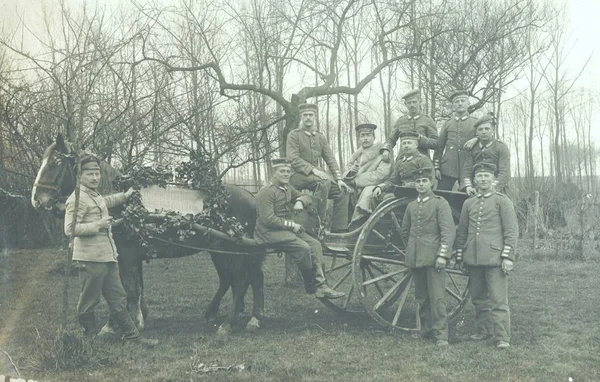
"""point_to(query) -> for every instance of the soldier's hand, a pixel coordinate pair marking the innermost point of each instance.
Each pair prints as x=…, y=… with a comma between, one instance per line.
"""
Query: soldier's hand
x=129, y=192
x=343, y=186
x=298, y=228
x=104, y=222
x=385, y=156
x=440, y=263
x=507, y=266
x=470, y=143
x=471, y=191
x=376, y=192
x=298, y=206
x=438, y=174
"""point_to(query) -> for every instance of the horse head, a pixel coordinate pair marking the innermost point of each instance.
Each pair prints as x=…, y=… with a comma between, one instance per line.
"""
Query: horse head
x=55, y=179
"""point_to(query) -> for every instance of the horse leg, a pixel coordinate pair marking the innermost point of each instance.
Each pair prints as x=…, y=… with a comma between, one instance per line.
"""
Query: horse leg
x=225, y=281
x=131, y=276
x=258, y=294
x=241, y=287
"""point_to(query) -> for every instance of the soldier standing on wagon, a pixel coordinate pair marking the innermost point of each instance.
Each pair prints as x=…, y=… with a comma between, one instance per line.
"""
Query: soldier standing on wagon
x=489, y=150
x=305, y=148
x=457, y=137
x=428, y=229
x=366, y=169
x=416, y=122
x=95, y=253
x=275, y=227
x=402, y=169
x=485, y=243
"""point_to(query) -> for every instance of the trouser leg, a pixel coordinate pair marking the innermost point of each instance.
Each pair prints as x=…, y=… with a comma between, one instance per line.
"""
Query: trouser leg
x=446, y=183
x=322, y=190
x=91, y=275
x=339, y=220
x=497, y=283
x=116, y=298
x=480, y=299
x=316, y=256
x=422, y=298
x=300, y=252
x=436, y=287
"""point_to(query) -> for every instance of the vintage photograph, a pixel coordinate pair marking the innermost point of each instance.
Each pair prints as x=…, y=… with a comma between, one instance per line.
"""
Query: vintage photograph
x=299, y=190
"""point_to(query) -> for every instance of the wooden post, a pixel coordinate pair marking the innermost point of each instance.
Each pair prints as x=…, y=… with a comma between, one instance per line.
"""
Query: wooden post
x=65, y=311
x=536, y=209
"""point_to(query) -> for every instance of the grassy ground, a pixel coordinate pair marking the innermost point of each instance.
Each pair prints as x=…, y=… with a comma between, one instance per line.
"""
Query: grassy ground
x=555, y=321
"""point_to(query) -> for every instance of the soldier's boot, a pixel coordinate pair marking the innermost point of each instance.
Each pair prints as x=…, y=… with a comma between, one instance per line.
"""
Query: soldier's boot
x=88, y=321
x=110, y=329
x=130, y=332
x=323, y=290
x=310, y=280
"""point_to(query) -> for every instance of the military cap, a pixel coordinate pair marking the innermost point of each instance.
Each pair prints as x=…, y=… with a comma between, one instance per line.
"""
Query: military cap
x=365, y=126
x=89, y=162
x=412, y=93
x=409, y=135
x=485, y=119
x=484, y=167
x=424, y=172
x=307, y=106
x=458, y=93
x=280, y=162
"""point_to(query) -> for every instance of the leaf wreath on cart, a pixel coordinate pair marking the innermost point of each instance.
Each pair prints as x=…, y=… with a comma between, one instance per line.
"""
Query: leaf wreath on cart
x=199, y=174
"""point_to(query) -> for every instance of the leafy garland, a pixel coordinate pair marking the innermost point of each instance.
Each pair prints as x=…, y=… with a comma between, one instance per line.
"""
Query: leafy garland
x=200, y=174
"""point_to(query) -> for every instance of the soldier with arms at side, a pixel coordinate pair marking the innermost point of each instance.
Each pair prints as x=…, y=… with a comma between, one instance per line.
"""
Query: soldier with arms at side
x=489, y=150
x=415, y=121
x=485, y=244
x=457, y=137
x=275, y=226
x=428, y=231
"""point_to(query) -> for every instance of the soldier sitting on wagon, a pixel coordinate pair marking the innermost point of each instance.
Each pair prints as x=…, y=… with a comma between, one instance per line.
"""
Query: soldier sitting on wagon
x=366, y=169
x=275, y=227
x=428, y=231
x=411, y=159
x=489, y=150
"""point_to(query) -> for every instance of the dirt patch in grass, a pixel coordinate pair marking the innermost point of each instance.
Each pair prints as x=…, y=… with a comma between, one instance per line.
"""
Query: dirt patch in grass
x=555, y=331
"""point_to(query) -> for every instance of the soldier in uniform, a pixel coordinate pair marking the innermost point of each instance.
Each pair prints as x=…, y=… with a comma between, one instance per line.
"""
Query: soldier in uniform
x=366, y=169
x=95, y=253
x=457, y=137
x=428, y=229
x=485, y=243
x=489, y=150
x=402, y=169
x=305, y=149
x=416, y=122
x=275, y=226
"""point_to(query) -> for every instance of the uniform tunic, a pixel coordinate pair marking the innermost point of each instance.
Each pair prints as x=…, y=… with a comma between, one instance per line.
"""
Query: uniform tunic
x=371, y=170
x=450, y=157
x=487, y=233
x=402, y=174
x=428, y=230
x=421, y=124
x=495, y=152
x=305, y=150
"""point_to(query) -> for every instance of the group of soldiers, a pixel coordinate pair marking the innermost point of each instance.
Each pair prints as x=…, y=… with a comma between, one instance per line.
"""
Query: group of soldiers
x=465, y=152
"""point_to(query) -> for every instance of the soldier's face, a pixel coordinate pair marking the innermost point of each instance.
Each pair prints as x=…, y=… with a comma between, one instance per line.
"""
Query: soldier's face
x=366, y=139
x=90, y=178
x=423, y=185
x=461, y=104
x=485, y=132
x=409, y=146
x=308, y=119
x=484, y=181
x=282, y=174
x=413, y=105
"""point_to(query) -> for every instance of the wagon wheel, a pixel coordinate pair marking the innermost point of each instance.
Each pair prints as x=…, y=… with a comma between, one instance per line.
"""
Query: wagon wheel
x=338, y=271
x=384, y=282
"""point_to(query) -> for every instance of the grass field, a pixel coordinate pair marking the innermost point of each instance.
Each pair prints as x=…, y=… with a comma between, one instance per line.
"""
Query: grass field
x=555, y=323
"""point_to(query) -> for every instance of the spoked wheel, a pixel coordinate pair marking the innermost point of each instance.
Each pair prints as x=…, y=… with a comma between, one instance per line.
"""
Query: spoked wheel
x=384, y=283
x=338, y=271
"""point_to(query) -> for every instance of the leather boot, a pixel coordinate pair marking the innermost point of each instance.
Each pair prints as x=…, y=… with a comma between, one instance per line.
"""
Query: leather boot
x=88, y=321
x=324, y=291
x=310, y=280
x=130, y=332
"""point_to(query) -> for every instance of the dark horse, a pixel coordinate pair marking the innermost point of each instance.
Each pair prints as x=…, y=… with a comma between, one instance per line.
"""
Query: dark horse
x=55, y=181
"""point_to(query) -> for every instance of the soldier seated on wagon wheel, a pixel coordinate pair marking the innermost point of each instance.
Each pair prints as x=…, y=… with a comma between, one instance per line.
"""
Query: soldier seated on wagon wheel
x=275, y=226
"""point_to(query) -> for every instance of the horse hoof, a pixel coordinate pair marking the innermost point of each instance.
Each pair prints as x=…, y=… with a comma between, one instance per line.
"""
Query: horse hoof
x=224, y=330
x=253, y=325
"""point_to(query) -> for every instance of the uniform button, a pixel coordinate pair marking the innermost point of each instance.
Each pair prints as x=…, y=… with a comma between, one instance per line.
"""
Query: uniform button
x=477, y=233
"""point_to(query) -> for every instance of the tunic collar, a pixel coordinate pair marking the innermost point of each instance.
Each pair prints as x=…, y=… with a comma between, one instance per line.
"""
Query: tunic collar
x=486, y=195
x=282, y=188
x=426, y=198
x=407, y=158
x=309, y=133
x=89, y=191
x=410, y=117
x=463, y=118
x=486, y=146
